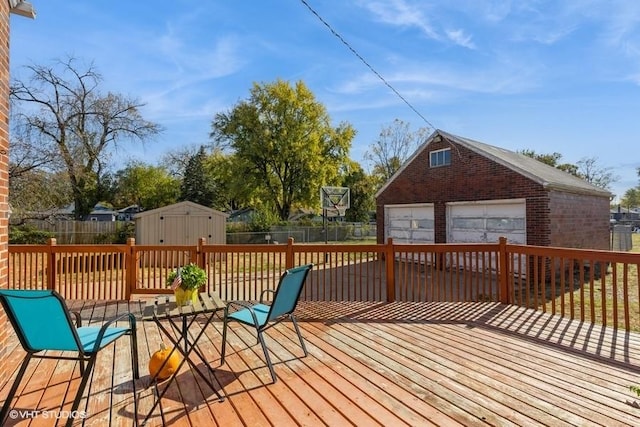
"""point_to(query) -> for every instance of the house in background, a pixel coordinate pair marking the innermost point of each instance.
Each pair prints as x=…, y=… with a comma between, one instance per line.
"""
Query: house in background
x=101, y=213
x=457, y=190
x=625, y=215
x=127, y=214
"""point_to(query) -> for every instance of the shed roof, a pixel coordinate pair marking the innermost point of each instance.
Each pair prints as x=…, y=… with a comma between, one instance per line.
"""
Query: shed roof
x=181, y=207
x=543, y=174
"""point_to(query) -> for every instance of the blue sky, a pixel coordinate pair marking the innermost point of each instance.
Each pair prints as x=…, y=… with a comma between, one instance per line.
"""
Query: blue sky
x=551, y=76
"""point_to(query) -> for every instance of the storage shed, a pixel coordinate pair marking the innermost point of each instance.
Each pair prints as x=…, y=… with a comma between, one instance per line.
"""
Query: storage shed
x=457, y=190
x=182, y=223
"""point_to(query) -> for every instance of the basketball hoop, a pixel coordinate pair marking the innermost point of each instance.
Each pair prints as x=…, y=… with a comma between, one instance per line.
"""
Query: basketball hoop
x=335, y=199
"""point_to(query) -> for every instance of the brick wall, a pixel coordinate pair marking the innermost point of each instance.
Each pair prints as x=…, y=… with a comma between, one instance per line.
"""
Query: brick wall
x=4, y=175
x=579, y=221
x=472, y=177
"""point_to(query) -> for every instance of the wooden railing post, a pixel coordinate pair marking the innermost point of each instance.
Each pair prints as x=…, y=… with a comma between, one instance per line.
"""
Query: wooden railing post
x=289, y=258
x=503, y=276
x=132, y=268
x=51, y=264
x=390, y=261
x=200, y=255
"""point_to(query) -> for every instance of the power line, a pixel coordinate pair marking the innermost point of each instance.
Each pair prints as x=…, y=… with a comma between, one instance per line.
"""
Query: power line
x=364, y=61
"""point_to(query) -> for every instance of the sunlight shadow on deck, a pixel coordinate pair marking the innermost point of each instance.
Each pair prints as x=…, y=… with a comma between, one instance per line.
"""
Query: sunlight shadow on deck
x=581, y=338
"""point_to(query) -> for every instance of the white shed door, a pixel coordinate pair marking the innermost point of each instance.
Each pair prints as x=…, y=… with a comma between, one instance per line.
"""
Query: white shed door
x=409, y=223
x=487, y=221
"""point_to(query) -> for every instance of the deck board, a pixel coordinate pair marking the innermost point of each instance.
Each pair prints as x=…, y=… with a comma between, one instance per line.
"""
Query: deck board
x=369, y=364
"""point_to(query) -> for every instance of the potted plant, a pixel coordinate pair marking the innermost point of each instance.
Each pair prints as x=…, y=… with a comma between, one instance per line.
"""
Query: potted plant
x=185, y=282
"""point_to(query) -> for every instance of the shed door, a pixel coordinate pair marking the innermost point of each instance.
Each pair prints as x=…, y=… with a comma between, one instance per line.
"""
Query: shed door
x=487, y=221
x=185, y=229
x=409, y=223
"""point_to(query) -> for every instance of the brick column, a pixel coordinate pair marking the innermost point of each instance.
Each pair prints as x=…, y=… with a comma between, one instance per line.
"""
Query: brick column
x=4, y=177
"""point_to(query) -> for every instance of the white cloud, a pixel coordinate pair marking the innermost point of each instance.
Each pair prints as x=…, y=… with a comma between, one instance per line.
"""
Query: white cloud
x=401, y=13
x=460, y=38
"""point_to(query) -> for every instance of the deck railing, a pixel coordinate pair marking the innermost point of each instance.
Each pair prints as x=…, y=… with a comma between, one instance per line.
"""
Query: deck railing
x=593, y=286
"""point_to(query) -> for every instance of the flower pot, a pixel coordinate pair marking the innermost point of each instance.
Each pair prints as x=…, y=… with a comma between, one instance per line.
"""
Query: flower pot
x=185, y=296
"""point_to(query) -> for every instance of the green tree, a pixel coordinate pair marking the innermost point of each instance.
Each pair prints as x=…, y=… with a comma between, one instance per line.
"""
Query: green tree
x=552, y=160
x=393, y=147
x=230, y=192
x=68, y=114
x=631, y=198
x=147, y=186
x=284, y=145
x=197, y=185
x=587, y=168
x=362, y=188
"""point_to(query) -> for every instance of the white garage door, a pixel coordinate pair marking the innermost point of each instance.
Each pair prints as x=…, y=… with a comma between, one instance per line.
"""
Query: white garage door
x=409, y=223
x=487, y=221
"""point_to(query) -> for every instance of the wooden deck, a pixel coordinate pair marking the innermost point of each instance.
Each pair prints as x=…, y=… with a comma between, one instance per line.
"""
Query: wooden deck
x=370, y=364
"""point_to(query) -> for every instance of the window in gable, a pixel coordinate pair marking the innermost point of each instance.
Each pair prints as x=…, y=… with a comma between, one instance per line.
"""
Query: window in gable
x=440, y=158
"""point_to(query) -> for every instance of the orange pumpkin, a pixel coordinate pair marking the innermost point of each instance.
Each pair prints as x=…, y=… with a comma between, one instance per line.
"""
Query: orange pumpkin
x=158, y=358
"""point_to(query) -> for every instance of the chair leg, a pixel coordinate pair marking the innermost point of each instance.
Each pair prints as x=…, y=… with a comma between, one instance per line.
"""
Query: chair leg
x=266, y=356
x=135, y=371
x=83, y=384
x=14, y=388
x=133, y=336
x=224, y=341
x=295, y=325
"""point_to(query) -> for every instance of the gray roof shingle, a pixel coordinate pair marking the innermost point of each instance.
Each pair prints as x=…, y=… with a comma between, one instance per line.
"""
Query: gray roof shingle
x=545, y=175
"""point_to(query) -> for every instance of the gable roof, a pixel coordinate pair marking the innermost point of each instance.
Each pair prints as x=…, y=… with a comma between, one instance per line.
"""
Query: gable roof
x=181, y=208
x=545, y=175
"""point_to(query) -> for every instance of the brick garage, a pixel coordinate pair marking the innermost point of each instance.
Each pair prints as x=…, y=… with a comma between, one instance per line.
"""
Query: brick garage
x=454, y=189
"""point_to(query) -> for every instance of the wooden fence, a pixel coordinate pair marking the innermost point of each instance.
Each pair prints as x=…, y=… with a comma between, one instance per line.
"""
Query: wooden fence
x=593, y=286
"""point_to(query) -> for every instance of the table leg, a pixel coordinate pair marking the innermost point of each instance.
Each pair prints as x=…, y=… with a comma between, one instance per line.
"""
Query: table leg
x=189, y=347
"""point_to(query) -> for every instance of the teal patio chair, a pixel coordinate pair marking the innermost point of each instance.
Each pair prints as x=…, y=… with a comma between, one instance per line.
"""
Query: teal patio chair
x=262, y=316
x=42, y=322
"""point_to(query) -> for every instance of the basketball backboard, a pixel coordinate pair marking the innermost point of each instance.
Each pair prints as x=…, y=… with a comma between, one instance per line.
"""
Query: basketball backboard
x=335, y=199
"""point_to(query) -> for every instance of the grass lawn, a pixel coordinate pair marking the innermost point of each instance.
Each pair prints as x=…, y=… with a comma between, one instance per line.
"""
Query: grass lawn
x=615, y=295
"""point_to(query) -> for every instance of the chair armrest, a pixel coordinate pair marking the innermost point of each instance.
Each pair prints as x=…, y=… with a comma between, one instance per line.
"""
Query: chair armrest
x=77, y=318
x=264, y=292
x=242, y=304
x=239, y=304
x=103, y=329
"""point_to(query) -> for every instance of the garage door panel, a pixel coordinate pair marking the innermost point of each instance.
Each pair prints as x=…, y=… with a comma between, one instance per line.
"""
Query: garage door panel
x=423, y=236
x=410, y=223
x=467, y=223
x=505, y=224
x=473, y=236
x=486, y=222
x=400, y=223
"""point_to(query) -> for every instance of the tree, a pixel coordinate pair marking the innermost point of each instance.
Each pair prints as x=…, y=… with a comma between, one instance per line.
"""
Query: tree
x=147, y=186
x=361, y=187
x=284, y=145
x=27, y=153
x=587, y=168
x=176, y=160
x=631, y=198
x=393, y=147
x=37, y=194
x=590, y=171
x=230, y=192
x=552, y=160
x=196, y=184
x=70, y=116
